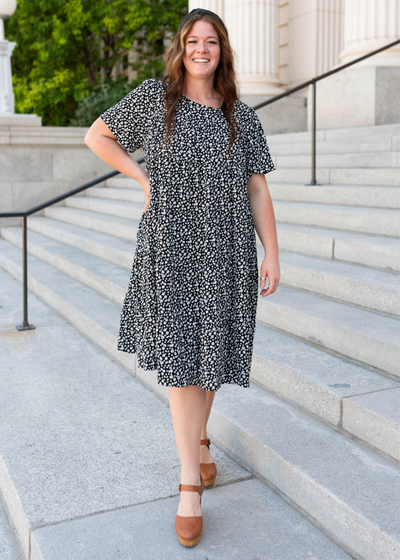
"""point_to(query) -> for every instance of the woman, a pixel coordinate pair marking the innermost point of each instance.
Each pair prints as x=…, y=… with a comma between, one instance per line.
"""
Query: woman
x=190, y=307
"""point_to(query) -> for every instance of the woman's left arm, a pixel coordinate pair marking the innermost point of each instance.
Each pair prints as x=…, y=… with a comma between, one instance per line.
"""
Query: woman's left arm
x=265, y=226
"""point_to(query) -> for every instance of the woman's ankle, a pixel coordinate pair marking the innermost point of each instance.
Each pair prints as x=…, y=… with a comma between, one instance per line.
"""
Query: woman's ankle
x=197, y=483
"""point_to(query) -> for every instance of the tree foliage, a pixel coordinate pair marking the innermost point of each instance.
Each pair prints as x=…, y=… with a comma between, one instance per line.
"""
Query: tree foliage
x=66, y=51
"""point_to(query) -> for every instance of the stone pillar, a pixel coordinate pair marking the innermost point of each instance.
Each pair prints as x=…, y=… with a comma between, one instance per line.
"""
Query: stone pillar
x=315, y=38
x=253, y=33
x=369, y=26
x=253, y=30
x=216, y=6
x=6, y=89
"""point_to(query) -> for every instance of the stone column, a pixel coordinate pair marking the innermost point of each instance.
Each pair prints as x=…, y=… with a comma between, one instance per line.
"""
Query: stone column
x=6, y=89
x=315, y=38
x=216, y=6
x=253, y=34
x=368, y=26
x=253, y=31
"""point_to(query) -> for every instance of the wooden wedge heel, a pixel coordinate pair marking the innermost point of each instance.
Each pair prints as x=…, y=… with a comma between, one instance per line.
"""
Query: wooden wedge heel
x=188, y=529
x=208, y=470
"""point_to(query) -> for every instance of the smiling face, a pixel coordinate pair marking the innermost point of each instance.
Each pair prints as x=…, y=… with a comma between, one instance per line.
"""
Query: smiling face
x=202, y=50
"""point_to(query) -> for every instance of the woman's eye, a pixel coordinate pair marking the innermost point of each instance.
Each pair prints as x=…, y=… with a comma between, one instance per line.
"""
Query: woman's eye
x=212, y=42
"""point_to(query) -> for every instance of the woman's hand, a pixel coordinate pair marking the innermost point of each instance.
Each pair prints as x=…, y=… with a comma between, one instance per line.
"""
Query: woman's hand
x=147, y=203
x=269, y=268
x=145, y=184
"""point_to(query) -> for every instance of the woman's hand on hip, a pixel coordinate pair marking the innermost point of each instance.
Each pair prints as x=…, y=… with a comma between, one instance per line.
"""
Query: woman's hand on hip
x=144, y=181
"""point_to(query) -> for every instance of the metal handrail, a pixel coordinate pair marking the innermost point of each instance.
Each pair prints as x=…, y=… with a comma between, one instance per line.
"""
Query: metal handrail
x=313, y=82
x=26, y=326
x=24, y=215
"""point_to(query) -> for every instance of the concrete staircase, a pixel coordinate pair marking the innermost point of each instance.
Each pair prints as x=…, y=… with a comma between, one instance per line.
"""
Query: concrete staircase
x=321, y=421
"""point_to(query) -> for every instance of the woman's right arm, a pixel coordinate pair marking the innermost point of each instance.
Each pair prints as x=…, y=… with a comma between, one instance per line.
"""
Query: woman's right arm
x=103, y=143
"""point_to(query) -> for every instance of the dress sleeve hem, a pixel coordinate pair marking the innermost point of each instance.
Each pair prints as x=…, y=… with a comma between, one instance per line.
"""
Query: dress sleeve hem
x=264, y=170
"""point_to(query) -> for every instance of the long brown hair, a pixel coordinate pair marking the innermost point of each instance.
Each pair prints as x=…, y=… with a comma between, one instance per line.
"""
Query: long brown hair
x=225, y=81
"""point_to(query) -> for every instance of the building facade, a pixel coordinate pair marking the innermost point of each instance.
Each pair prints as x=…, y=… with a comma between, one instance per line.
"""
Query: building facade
x=280, y=44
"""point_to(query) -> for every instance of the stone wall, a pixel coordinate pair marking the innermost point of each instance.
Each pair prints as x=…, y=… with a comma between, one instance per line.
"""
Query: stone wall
x=39, y=163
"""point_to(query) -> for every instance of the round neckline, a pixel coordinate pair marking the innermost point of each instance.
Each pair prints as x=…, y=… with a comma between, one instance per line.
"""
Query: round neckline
x=201, y=104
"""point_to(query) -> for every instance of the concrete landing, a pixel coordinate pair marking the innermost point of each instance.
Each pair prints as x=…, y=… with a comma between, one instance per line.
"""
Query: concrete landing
x=243, y=520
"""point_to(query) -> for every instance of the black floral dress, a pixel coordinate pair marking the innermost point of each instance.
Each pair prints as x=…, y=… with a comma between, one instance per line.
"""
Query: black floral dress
x=190, y=307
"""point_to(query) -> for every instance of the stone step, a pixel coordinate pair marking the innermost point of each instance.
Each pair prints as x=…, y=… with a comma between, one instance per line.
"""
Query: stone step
x=370, y=338
x=123, y=182
x=353, y=132
x=118, y=208
x=350, y=492
x=374, y=289
x=376, y=221
x=356, y=145
x=359, y=248
x=385, y=176
x=369, y=416
x=349, y=283
x=112, y=249
x=357, y=400
x=9, y=547
x=113, y=193
x=349, y=195
x=308, y=389
x=354, y=247
x=375, y=197
x=379, y=221
x=99, y=480
x=105, y=278
x=121, y=228
x=346, y=135
x=345, y=160
x=342, y=487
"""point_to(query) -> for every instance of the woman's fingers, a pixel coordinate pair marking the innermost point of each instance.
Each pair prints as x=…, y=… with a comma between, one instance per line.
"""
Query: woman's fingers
x=270, y=289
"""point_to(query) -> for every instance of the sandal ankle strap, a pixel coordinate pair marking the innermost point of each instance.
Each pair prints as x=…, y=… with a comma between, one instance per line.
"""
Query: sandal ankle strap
x=206, y=442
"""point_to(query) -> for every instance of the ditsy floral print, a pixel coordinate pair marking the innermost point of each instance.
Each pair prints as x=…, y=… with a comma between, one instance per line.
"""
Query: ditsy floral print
x=190, y=307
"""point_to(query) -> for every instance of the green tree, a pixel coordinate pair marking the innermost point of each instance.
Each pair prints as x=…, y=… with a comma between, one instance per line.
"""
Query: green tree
x=67, y=49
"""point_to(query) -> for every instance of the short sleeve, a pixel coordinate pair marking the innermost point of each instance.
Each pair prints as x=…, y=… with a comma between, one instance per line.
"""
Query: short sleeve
x=258, y=156
x=129, y=119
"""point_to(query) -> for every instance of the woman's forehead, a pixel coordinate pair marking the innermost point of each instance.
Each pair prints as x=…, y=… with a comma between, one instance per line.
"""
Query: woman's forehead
x=203, y=28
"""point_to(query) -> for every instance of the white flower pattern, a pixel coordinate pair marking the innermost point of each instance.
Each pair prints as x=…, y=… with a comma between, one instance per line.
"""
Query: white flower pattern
x=190, y=307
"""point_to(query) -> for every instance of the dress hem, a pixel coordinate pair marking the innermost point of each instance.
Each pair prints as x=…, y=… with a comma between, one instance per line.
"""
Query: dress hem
x=232, y=381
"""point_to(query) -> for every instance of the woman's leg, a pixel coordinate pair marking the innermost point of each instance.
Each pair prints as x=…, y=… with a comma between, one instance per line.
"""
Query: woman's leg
x=188, y=408
x=205, y=455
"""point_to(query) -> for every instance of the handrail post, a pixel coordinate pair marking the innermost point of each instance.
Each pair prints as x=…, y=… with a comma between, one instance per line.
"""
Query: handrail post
x=313, y=134
x=25, y=325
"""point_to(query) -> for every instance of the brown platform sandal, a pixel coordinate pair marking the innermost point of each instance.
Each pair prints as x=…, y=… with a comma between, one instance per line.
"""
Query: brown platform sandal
x=208, y=470
x=189, y=528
